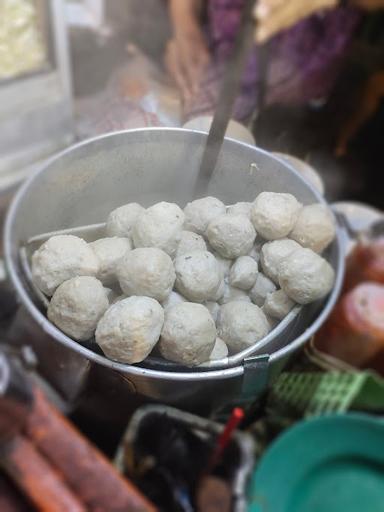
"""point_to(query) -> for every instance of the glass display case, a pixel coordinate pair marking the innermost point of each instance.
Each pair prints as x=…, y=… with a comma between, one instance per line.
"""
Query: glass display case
x=35, y=85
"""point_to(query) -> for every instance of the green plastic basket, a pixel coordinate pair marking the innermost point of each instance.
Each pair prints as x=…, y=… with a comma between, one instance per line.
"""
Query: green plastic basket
x=316, y=393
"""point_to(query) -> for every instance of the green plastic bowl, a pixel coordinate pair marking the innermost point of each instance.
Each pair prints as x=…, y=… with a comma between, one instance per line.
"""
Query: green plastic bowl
x=328, y=464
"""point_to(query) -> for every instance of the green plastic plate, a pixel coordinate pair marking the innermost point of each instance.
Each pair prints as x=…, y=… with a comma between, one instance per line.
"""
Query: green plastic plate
x=328, y=464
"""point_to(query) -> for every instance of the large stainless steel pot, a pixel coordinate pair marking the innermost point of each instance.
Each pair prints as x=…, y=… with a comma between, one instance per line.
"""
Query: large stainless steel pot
x=83, y=184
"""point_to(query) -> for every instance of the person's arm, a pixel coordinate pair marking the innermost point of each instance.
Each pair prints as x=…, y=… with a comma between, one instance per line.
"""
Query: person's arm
x=273, y=16
x=187, y=52
x=371, y=98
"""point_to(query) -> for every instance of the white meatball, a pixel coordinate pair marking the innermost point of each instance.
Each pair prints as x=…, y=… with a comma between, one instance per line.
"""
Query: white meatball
x=109, y=252
x=305, y=276
x=241, y=208
x=198, y=275
x=314, y=228
x=220, y=350
x=213, y=308
x=189, y=242
x=231, y=235
x=199, y=213
x=224, y=264
x=261, y=288
x=159, y=226
x=121, y=221
x=113, y=295
x=273, y=253
x=220, y=291
x=77, y=305
x=254, y=253
x=231, y=294
x=173, y=299
x=274, y=214
x=243, y=273
x=147, y=271
x=60, y=258
x=272, y=322
x=278, y=304
x=241, y=324
x=118, y=298
x=188, y=334
x=130, y=329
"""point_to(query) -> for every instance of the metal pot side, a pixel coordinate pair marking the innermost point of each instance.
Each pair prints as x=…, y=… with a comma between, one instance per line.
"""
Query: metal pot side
x=83, y=184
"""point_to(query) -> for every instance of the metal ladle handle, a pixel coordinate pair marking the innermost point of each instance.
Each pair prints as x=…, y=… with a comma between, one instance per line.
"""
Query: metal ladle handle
x=228, y=93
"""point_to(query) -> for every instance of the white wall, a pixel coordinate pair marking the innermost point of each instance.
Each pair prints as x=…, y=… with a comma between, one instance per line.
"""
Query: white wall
x=86, y=13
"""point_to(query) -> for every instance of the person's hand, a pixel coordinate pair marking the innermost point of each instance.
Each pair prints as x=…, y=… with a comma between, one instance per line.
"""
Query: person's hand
x=185, y=59
x=187, y=53
x=273, y=16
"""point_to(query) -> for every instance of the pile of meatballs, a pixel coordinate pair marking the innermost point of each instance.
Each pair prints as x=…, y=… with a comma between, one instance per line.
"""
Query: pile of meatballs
x=191, y=285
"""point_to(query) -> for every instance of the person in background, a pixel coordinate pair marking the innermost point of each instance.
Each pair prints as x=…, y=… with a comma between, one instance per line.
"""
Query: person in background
x=308, y=41
x=371, y=97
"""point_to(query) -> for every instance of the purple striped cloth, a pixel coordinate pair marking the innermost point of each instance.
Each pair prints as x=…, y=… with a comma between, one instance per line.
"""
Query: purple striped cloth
x=304, y=61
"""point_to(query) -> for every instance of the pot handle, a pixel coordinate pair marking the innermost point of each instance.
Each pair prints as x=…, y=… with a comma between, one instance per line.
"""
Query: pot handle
x=8, y=298
x=351, y=234
x=253, y=385
x=348, y=234
x=255, y=377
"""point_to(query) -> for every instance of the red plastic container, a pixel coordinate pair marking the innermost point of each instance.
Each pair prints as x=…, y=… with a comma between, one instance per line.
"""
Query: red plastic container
x=354, y=332
x=365, y=263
